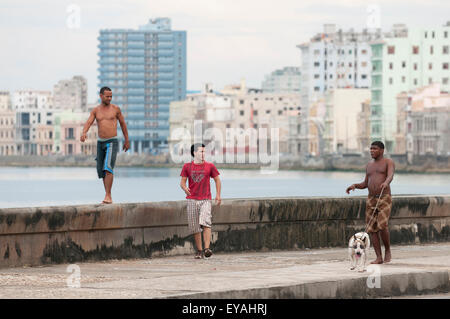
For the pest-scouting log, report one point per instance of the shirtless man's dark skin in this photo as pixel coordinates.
(379, 175)
(107, 115)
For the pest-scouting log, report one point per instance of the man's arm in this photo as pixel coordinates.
(183, 186)
(390, 174)
(358, 186)
(88, 124)
(218, 189)
(123, 126)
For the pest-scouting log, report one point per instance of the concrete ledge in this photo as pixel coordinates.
(356, 288)
(44, 235)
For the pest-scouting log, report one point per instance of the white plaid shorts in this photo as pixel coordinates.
(199, 214)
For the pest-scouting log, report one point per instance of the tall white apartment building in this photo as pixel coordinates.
(333, 59)
(405, 59)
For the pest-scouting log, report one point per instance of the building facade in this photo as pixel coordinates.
(334, 59)
(423, 125)
(7, 125)
(33, 109)
(405, 59)
(341, 120)
(71, 94)
(286, 80)
(226, 118)
(146, 70)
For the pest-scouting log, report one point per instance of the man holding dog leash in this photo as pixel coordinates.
(379, 175)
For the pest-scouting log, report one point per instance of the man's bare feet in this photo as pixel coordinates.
(379, 260)
(387, 256)
(107, 200)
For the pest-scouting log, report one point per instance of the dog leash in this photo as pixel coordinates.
(376, 206)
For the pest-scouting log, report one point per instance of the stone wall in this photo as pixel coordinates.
(69, 234)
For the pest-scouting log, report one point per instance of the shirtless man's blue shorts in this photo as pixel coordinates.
(106, 155)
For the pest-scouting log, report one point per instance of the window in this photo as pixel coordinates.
(364, 76)
(350, 64)
(70, 135)
(415, 66)
(364, 64)
(415, 81)
(391, 81)
(280, 112)
(391, 49)
(430, 80)
(255, 112)
(241, 113)
(349, 76)
(415, 49)
(404, 64)
(426, 34)
(391, 66)
(316, 52)
(316, 88)
(445, 81)
(445, 49)
(446, 34)
(241, 102)
(364, 51)
(445, 66)
(431, 49)
(430, 66)
(316, 76)
(403, 79)
(316, 64)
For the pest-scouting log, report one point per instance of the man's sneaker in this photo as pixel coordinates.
(207, 252)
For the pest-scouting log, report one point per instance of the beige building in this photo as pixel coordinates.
(341, 120)
(423, 125)
(71, 94)
(363, 127)
(232, 112)
(7, 130)
(67, 131)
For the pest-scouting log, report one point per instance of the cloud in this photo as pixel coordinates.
(227, 40)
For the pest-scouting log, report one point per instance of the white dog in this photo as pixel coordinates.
(358, 245)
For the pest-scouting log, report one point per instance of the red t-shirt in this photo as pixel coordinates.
(198, 176)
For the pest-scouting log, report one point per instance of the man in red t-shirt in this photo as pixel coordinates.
(199, 197)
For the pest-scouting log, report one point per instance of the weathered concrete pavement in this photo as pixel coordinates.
(314, 273)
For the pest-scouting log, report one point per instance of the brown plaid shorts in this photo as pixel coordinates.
(382, 213)
(199, 214)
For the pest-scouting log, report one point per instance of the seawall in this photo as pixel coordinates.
(68, 234)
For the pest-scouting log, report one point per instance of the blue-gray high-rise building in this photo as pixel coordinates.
(146, 70)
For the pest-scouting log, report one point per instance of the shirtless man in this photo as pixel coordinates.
(107, 115)
(379, 175)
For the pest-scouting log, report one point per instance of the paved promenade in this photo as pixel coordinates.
(311, 273)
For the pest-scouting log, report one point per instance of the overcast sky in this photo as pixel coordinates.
(42, 42)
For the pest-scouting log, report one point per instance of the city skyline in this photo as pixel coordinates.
(248, 40)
